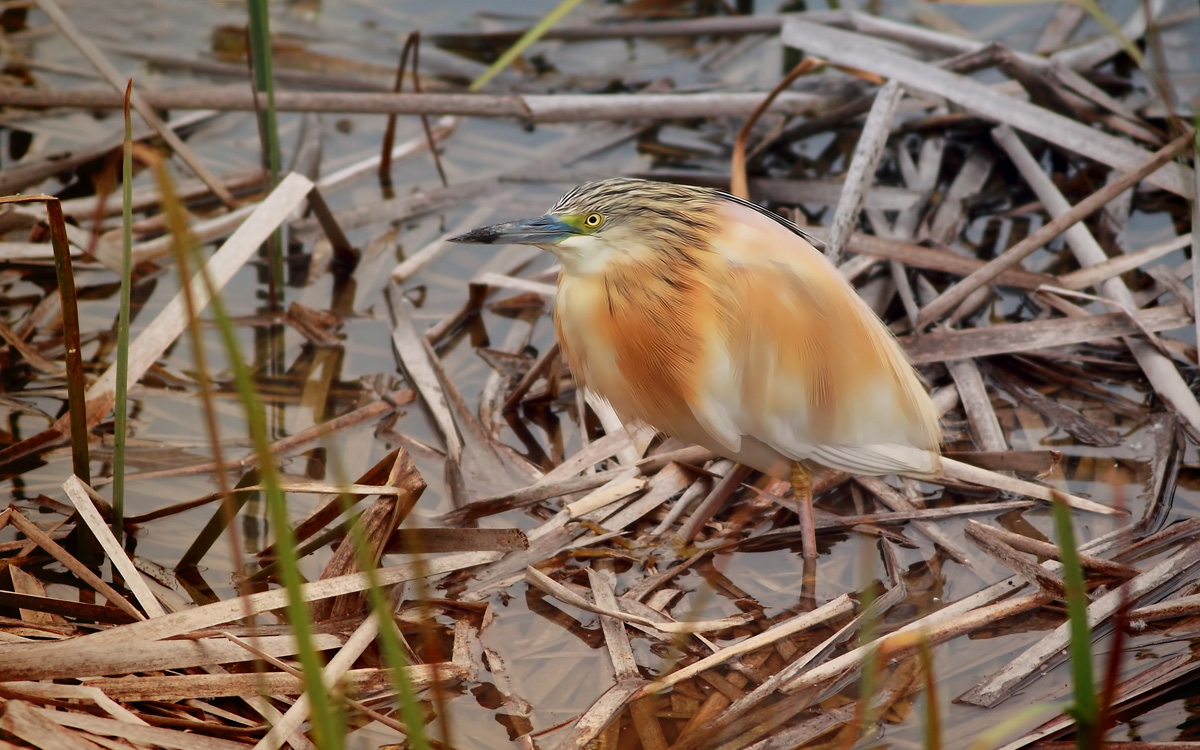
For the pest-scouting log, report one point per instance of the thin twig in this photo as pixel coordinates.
(737, 162)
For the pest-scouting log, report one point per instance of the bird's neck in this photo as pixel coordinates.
(646, 255)
(584, 257)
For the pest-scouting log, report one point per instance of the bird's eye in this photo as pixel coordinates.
(593, 221)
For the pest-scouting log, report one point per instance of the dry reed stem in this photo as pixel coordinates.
(537, 108)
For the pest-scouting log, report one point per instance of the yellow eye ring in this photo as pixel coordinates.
(593, 221)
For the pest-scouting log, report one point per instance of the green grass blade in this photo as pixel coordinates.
(259, 33)
(264, 82)
(328, 720)
(1112, 27)
(389, 639)
(871, 665)
(528, 38)
(121, 409)
(1017, 722)
(329, 724)
(1087, 705)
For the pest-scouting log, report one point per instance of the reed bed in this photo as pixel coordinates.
(352, 496)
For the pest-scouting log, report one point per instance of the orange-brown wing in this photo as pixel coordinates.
(804, 365)
(637, 341)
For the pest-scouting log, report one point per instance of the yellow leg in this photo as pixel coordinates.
(802, 490)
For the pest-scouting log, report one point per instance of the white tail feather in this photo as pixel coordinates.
(952, 469)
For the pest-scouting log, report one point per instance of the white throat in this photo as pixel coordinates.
(585, 255)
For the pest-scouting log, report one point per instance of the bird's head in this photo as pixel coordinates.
(612, 221)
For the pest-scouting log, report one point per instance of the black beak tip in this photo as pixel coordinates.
(481, 236)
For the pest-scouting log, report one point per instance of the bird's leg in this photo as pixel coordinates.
(808, 582)
(802, 491)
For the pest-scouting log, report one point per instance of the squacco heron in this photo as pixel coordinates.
(718, 322)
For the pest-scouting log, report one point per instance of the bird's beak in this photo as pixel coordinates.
(544, 230)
